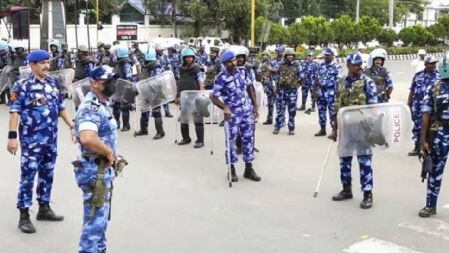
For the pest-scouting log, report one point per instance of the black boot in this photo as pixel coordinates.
(185, 135)
(367, 201)
(250, 173)
(143, 127)
(168, 114)
(322, 132)
(46, 213)
(234, 177)
(276, 131)
(199, 130)
(268, 122)
(346, 193)
(125, 118)
(427, 211)
(159, 129)
(25, 224)
(415, 151)
(303, 106)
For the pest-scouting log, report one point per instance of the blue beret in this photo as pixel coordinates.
(226, 56)
(280, 49)
(354, 59)
(38, 55)
(328, 51)
(103, 72)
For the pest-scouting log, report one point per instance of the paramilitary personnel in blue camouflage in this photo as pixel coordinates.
(381, 76)
(266, 79)
(151, 67)
(420, 82)
(287, 92)
(164, 62)
(328, 73)
(84, 63)
(96, 131)
(435, 134)
(123, 68)
(350, 90)
(37, 102)
(308, 73)
(235, 89)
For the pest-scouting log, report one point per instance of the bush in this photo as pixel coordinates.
(387, 37)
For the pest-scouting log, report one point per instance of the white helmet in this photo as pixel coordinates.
(241, 51)
(421, 51)
(377, 53)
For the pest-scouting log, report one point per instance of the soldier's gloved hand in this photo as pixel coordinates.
(12, 146)
(425, 147)
(227, 113)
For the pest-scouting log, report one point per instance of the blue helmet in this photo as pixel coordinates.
(187, 52)
(3, 45)
(227, 56)
(122, 52)
(150, 54)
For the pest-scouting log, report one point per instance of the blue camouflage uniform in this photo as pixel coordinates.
(436, 104)
(123, 68)
(232, 88)
(275, 63)
(376, 73)
(287, 97)
(94, 115)
(201, 58)
(38, 104)
(327, 74)
(308, 72)
(157, 69)
(366, 171)
(62, 61)
(421, 81)
(172, 64)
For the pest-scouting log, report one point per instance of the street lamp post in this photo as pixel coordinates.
(391, 11)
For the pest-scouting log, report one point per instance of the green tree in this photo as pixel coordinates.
(237, 18)
(387, 37)
(279, 34)
(368, 28)
(345, 30)
(298, 33)
(416, 35)
(315, 30)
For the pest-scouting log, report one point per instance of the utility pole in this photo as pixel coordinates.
(253, 17)
(97, 11)
(357, 12)
(87, 25)
(391, 11)
(76, 24)
(174, 19)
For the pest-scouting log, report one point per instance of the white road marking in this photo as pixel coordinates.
(432, 227)
(374, 245)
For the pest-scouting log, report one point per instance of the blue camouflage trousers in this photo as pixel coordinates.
(40, 159)
(93, 234)
(268, 88)
(366, 171)
(440, 150)
(417, 120)
(286, 98)
(305, 90)
(166, 109)
(325, 103)
(242, 126)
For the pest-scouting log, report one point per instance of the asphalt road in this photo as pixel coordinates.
(176, 199)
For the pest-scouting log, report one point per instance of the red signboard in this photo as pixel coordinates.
(126, 32)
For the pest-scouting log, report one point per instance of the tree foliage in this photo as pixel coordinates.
(416, 35)
(368, 28)
(345, 30)
(387, 37)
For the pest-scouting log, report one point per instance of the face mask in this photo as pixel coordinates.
(108, 88)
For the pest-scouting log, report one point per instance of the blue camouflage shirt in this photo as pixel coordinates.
(275, 63)
(442, 99)
(61, 60)
(172, 64)
(308, 71)
(328, 74)
(420, 82)
(38, 104)
(201, 58)
(96, 115)
(232, 88)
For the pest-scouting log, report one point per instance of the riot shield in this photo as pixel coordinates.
(80, 90)
(24, 71)
(4, 79)
(384, 126)
(64, 78)
(195, 106)
(156, 91)
(258, 87)
(125, 92)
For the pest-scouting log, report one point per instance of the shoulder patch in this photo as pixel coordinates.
(14, 96)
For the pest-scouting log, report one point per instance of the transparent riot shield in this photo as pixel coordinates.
(64, 78)
(195, 106)
(79, 91)
(24, 71)
(258, 87)
(125, 92)
(4, 79)
(361, 129)
(156, 91)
